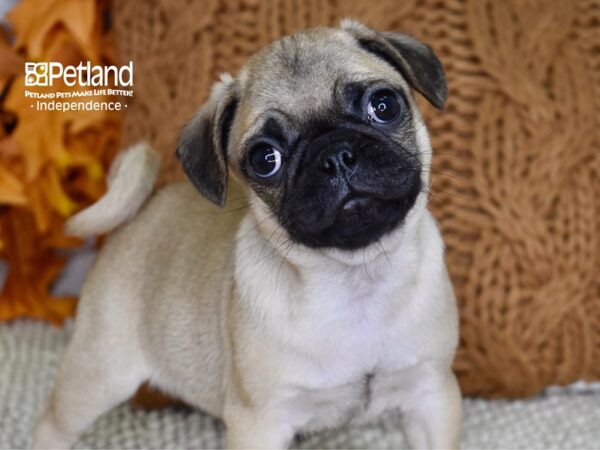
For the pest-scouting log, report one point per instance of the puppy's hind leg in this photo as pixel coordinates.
(94, 377)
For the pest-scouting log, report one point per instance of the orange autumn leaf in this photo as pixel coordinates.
(11, 63)
(28, 281)
(52, 163)
(11, 189)
(35, 22)
(55, 194)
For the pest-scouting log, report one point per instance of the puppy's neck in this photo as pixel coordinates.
(263, 235)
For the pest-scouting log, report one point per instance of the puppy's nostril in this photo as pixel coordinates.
(348, 158)
(329, 165)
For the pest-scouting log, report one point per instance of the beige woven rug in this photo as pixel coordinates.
(29, 351)
(516, 176)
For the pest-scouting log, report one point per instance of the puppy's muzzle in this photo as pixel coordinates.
(337, 160)
(352, 188)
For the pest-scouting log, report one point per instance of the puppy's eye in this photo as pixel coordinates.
(383, 106)
(265, 161)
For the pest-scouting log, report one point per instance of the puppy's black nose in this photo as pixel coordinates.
(336, 158)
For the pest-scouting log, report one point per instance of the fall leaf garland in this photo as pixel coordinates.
(51, 162)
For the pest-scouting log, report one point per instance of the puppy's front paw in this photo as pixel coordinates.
(249, 429)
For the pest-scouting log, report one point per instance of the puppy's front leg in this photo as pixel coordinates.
(432, 419)
(248, 428)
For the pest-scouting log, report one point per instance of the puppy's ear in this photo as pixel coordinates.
(203, 145)
(413, 59)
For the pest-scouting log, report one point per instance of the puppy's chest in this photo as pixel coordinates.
(314, 409)
(342, 337)
(346, 327)
(364, 398)
(345, 335)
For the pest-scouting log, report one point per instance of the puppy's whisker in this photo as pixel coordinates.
(283, 260)
(275, 248)
(435, 191)
(228, 211)
(235, 199)
(430, 130)
(385, 253)
(445, 153)
(365, 264)
(443, 173)
(267, 241)
(268, 218)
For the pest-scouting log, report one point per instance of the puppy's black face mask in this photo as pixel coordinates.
(346, 179)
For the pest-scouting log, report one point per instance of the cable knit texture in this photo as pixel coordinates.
(516, 173)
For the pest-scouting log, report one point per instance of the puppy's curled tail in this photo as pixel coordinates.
(130, 182)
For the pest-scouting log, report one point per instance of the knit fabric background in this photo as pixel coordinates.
(516, 173)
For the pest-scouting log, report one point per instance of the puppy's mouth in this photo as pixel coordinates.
(358, 221)
(359, 213)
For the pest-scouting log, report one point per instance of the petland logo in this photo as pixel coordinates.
(84, 74)
(78, 88)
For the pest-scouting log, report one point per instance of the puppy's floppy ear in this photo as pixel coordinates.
(203, 145)
(413, 59)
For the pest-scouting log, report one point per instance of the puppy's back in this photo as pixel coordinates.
(159, 284)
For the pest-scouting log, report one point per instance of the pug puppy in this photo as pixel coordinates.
(325, 302)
